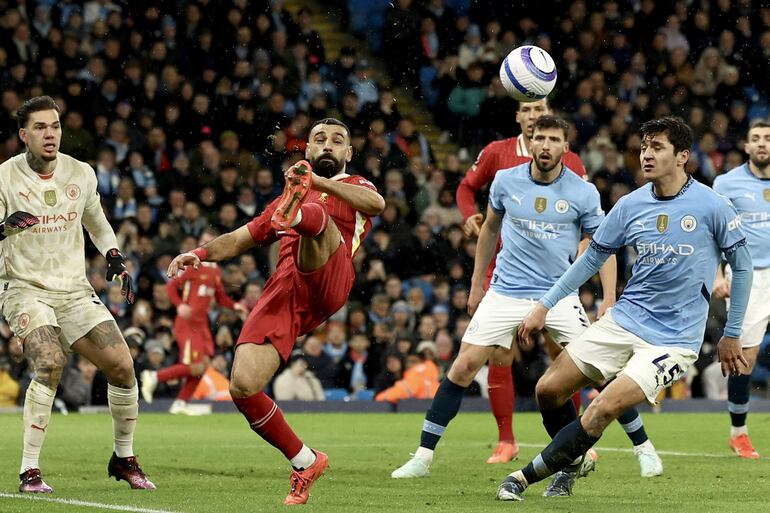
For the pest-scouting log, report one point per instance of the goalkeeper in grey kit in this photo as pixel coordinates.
(46, 198)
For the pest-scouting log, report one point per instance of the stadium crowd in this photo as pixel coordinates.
(189, 115)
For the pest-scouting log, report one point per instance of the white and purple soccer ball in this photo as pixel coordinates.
(528, 73)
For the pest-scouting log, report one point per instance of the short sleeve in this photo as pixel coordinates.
(728, 232)
(496, 195)
(592, 214)
(610, 236)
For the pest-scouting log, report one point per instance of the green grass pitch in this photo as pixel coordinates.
(216, 464)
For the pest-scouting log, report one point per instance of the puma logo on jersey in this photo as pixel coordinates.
(752, 196)
(640, 223)
(517, 199)
(24, 195)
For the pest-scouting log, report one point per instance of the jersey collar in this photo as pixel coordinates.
(669, 198)
(522, 147)
(546, 184)
(748, 172)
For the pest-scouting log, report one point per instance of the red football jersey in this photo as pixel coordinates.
(196, 287)
(352, 224)
(500, 155)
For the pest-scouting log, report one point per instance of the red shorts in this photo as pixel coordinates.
(194, 341)
(294, 303)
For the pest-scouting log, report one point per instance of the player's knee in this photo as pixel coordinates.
(549, 394)
(464, 369)
(49, 369)
(197, 369)
(242, 386)
(502, 357)
(120, 373)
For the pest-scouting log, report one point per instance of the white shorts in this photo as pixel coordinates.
(606, 350)
(26, 311)
(498, 317)
(758, 310)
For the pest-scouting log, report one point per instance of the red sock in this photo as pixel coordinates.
(501, 398)
(314, 220)
(266, 419)
(577, 401)
(186, 392)
(175, 371)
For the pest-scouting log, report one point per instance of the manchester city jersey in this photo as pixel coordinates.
(541, 229)
(751, 197)
(678, 241)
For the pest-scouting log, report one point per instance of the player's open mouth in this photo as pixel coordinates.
(648, 167)
(49, 147)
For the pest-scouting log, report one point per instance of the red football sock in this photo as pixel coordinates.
(501, 399)
(175, 371)
(577, 401)
(186, 392)
(266, 419)
(314, 220)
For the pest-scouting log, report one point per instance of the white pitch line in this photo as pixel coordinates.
(456, 444)
(600, 448)
(85, 504)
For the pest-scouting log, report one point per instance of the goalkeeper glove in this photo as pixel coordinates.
(17, 223)
(116, 267)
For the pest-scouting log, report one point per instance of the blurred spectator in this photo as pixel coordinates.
(297, 383)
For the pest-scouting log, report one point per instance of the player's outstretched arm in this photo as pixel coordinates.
(361, 198)
(485, 250)
(224, 247)
(608, 275)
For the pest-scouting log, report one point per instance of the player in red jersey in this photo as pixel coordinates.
(191, 330)
(320, 220)
(498, 155)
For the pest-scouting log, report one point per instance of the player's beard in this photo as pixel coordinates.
(550, 166)
(326, 165)
(761, 164)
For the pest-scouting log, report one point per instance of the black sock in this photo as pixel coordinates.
(554, 420)
(738, 399)
(632, 424)
(445, 406)
(568, 445)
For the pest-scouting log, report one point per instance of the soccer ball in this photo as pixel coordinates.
(528, 73)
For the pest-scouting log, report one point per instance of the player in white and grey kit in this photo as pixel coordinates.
(679, 228)
(748, 188)
(46, 199)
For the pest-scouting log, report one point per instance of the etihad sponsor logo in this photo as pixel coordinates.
(58, 218)
(52, 223)
(659, 253)
(644, 248)
(539, 229)
(661, 223)
(736, 223)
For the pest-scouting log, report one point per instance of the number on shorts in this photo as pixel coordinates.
(673, 372)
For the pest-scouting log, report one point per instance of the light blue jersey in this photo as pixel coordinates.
(751, 197)
(542, 226)
(679, 241)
